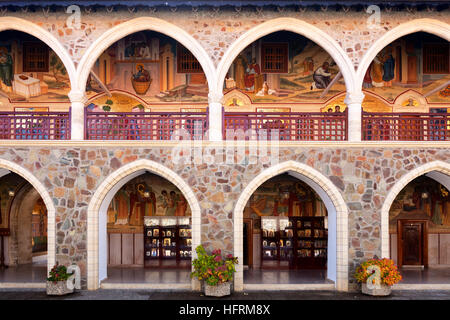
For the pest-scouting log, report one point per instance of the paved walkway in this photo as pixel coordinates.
(110, 294)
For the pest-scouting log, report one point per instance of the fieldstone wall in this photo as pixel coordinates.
(363, 174)
(217, 28)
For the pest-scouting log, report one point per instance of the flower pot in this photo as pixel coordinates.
(58, 288)
(220, 290)
(383, 290)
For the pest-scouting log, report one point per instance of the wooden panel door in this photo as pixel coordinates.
(412, 69)
(412, 242)
(248, 242)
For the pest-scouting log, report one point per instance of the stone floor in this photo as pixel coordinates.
(185, 296)
(37, 274)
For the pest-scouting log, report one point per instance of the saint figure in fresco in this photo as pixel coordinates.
(388, 70)
(377, 71)
(6, 69)
(141, 75)
(181, 206)
(321, 77)
(250, 74)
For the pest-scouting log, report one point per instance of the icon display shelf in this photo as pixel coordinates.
(293, 242)
(167, 242)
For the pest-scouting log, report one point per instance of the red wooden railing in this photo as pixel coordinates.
(36, 125)
(294, 126)
(146, 125)
(406, 126)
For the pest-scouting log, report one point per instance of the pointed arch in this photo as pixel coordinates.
(96, 259)
(293, 25)
(18, 24)
(432, 26)
(337, 210)
(140, 24)
(435, 166)
(51, 212)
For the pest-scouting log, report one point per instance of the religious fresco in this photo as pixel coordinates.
(117, 102)
(418, 62)
(144, 196)
(152, 67)
(283, 195)
(285, 67)
(422, 196)
(30, 71)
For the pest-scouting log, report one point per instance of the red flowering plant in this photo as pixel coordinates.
(389, 274)
(213, 268)
(58, 273)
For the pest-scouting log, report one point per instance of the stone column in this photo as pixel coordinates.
(78, 100)
(215, 116)
(353, 100)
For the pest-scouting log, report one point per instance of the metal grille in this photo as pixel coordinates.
(294, 126)
(406, 126)
(146, 125)
(24, 125)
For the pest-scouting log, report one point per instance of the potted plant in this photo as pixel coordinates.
(215, 271)
(57, 281)
(377, 276)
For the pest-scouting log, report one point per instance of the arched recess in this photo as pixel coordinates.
(437, 170)
(432, 26)
(337, 264)
(139, 24)
(51, 213)
(294, 25)
(96, 219)
(13, 23)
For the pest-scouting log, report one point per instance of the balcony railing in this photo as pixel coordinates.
(36, 125)
(146, 125)
(291, 126)
(406, 126)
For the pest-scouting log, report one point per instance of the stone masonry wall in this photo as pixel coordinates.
(216, 29)
(362, 174)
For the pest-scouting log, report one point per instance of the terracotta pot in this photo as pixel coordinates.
(58, 288)
(221, 290)
(383, 290)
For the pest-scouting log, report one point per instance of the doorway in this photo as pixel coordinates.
(412, 242)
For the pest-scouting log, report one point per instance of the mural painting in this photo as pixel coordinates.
(150, 66)
(423, 197)
(146, 195)
(285, 67)
(30, 71)
(418, 62)
(283, 196)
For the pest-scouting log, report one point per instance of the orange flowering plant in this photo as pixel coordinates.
(213, 268)
(389, 273)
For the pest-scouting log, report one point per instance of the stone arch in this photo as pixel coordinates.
(18, 24)
(51, 212)
(439, 167)
(338, 217)
(432, 26)
(294, 25)
(96, 263)
(139, 24)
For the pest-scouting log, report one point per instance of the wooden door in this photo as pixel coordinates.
(412, 242)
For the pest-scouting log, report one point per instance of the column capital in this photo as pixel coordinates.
(215, 97)
(78, 96)
(354, 98)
